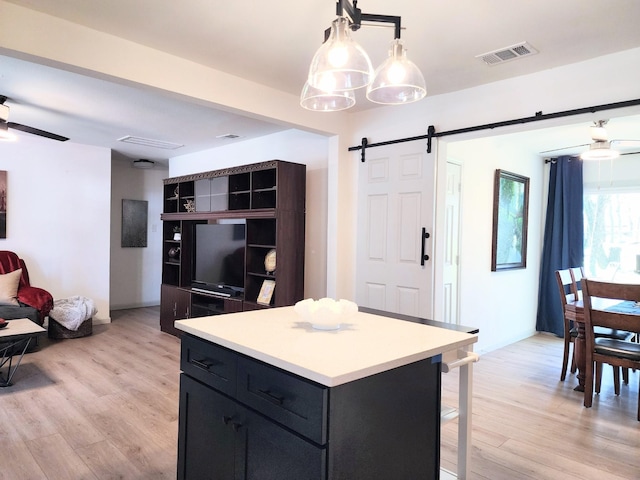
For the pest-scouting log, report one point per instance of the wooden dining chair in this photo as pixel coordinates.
(568, 294)
(603, 307)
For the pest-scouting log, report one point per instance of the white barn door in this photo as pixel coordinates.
(395, 203)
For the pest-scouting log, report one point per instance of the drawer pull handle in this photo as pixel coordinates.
(235, 425)
(205, 364)
(272, 397)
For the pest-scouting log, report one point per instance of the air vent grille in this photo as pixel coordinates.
(506, 54)
(148, 142)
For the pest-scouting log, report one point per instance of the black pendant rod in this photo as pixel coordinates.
(536, 118)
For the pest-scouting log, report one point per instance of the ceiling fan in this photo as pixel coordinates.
(601, 148)
(5, 124)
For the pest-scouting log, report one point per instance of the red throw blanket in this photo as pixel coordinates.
(35, 297)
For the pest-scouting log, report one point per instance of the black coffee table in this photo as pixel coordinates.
(15, 338)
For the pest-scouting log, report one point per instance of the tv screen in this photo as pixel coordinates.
(219, 257)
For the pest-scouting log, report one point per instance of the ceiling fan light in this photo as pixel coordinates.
(340, 63)
(143, 163)
(5, 134)
(398, 80)
(600, 151)
(322, 101)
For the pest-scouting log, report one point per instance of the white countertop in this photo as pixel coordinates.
(367, 344)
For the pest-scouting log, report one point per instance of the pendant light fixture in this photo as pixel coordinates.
(326, 101)
(340, 63)
(398, 80)
(341, 66)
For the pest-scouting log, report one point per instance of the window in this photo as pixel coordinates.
(612, 235)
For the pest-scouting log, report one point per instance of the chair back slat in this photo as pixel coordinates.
(577, 274)
(618, 321)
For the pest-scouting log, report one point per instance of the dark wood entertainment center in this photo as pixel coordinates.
(270, 198)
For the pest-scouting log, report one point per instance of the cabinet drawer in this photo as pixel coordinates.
(287, 399)
(209, 363)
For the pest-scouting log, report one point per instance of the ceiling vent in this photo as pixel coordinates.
(507, 54)
(148, 142)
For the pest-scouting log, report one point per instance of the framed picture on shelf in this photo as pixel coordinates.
(510, 211)
(266, 292)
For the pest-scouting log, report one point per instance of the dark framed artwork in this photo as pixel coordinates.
(510, 221)
(3, 204)
(134, 223)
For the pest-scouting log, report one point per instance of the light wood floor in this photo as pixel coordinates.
(527, 424)
(106, 407)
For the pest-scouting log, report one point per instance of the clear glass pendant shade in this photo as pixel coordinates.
(398, 80)
(320, 101)
(340, 63)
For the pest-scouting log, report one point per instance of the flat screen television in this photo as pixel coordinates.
(218, 259)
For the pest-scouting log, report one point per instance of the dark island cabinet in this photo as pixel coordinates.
(222, 440)
(241, 418)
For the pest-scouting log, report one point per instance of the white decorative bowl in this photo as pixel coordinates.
(326, 313)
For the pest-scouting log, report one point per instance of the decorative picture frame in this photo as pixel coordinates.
(134, 223)
(266, 292)
(510, 221)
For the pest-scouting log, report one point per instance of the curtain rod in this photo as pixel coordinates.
(431, 131)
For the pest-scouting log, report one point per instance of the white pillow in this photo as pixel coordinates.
(9, 287)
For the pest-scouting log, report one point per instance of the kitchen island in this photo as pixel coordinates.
(265, 396)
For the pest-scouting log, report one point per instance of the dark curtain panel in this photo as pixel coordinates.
(563, 239)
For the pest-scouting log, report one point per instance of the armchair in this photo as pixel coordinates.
(27, 295)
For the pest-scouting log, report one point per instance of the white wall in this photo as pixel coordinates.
(292, 146)
(136, 273)
(502, 304)
(58, 203)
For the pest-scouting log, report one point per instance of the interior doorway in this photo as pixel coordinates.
(451, 268)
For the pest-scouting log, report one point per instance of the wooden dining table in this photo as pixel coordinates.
(575, 311)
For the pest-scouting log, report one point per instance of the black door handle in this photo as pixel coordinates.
(423, 256)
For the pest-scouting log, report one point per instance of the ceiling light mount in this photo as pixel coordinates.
(356, 17)
(143, 163)
(341, 66)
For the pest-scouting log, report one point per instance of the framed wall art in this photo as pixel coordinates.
(134, 223)
(510, 221)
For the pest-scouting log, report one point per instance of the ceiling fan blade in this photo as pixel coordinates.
(627, 143)
(629, 153)
(35, 131)
(564, 148)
